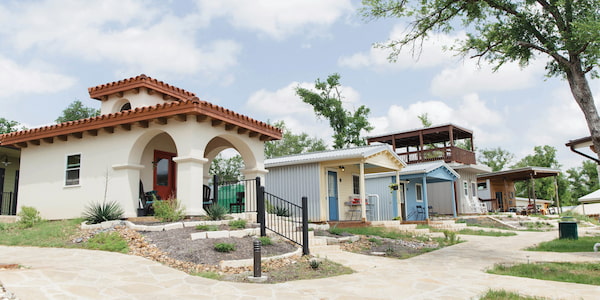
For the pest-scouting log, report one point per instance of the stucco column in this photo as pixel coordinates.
(124, 187)
(190, 178)
(250, 188)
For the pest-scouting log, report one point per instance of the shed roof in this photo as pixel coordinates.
(419, 168)
(591, 197)
(520, 174)
(332, 155)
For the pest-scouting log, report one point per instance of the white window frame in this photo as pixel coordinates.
(466, 188)
(474, 189)
(418, 187)
(67, 169)
(358, 184)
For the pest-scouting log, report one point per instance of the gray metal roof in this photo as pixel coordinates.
(419, 168)
(329, 155)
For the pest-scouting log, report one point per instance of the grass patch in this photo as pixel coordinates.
(237, 224)
(207, 227)
(42, 234)
(583, 244)
(377, 231)
(224, 247)
(579, 217)
(265, 241)
(107, 241)
(304, 269)
(585, 273)
(506, 295)
(209, 275)
(469, 231)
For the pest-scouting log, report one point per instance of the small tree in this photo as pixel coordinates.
(327, 103)
(227, 169)
(496, 158)
(76, 111)
(291, 143)
(7, 126)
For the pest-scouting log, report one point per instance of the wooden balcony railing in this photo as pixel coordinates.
(448, 154)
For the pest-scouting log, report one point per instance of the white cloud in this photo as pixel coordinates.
(430, 53)
(276, 18)
(19, 79)
(140, 36)
(469, 77)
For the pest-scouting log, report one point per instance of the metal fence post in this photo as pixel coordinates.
(260, 210)
(305, 250)
(215, 189)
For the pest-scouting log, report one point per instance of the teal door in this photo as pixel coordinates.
(332, 195)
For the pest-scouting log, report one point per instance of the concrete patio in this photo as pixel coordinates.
(454, 272)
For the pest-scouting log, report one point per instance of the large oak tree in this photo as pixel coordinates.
(565, 32)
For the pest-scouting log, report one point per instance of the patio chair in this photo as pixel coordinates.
(238, 204)
(206, 200)
(420, 212)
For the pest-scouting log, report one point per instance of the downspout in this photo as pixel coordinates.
(453, 186)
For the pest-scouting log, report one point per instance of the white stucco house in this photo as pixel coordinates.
(149, 132)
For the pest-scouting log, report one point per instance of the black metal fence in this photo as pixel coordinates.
(8, 203)
(237, 196)
(284, 218)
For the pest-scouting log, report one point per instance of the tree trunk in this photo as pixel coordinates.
(582, 93)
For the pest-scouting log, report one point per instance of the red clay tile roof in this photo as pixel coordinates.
(104, 90)
(202, 110)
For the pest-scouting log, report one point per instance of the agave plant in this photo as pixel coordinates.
(216, 212)
(105, 211)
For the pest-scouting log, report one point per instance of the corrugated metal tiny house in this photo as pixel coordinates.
(333, 181)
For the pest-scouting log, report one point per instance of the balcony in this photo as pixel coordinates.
(448, 154)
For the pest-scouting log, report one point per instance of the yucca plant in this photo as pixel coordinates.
(105, 211)
(216, 212)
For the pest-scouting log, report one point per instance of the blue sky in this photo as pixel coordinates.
(249, 56)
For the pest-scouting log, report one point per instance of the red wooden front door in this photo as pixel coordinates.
(164, 174)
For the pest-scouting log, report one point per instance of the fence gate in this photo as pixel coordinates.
(284, 218)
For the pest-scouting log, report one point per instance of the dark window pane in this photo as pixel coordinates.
(162, 172)
(73, 161)
(72, 177)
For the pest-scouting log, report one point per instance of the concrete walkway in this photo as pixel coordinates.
(451, 273)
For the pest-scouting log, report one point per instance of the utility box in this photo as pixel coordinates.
(567, 230)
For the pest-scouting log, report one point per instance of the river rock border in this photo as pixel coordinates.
(197, 235)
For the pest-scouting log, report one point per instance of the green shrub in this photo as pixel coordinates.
(314, 263)
(207, 227)
(100, 212)
(237, 224)
(29, 217)
(169, 211)
(265, 240)
(224, 247)
(450, 237)
(278, 211)
(216, 212)
(108, 242)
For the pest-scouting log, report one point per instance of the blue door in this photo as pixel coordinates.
(332, 195)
